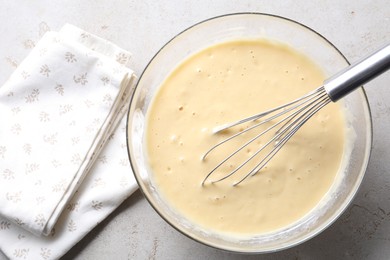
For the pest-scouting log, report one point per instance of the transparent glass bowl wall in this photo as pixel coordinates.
(238, 26)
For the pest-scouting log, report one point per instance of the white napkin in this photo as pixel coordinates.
(57, 110)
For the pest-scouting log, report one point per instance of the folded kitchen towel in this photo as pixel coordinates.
(57, 111)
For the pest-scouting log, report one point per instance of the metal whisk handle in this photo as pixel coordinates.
(357, 74)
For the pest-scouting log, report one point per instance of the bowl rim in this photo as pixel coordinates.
(341, 209)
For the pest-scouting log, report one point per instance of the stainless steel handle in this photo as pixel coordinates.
(358, 73)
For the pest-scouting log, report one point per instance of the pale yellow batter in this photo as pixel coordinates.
(224, 83)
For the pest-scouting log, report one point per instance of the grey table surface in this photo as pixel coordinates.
(134, 230)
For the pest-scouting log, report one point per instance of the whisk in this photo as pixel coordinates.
(293, 115)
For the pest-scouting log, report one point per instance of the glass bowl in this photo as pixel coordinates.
(239, 26)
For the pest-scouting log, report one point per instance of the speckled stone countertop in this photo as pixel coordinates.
(134, 230)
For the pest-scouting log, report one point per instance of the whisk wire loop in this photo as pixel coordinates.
(297, 125)
(305, 104)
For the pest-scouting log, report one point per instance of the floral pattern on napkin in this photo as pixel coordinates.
(57, 111)
(109, 182)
